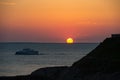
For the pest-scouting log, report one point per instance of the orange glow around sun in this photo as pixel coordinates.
(69, 41)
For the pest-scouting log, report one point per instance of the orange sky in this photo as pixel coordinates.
(56, 20)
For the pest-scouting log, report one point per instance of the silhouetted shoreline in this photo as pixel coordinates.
(102, 63)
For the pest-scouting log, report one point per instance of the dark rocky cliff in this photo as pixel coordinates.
(105, 57)
(102, 63)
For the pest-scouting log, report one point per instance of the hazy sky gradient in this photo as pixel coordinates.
(56, 20)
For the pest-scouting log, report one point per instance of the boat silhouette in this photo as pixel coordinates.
(27, 51)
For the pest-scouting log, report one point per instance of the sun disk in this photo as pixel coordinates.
(69, 41)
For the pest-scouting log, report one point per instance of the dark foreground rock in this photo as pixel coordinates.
(103, 63)
(26, 77)
(49, 73)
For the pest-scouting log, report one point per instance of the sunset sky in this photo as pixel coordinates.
(56, 20)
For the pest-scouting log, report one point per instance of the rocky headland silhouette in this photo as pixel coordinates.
(102, 63)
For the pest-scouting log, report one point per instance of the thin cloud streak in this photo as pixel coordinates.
(8, 3)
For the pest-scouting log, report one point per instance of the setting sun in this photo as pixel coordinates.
(69, 40)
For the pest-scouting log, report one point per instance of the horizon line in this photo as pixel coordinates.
(50, 42)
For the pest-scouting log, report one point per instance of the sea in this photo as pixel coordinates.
(51, 54)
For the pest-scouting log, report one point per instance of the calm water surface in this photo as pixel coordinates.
(51, 55)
